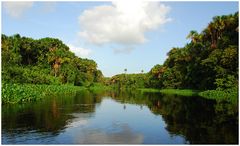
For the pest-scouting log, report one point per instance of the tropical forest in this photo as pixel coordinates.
(49, 93)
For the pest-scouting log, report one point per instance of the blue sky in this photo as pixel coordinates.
(116, 35)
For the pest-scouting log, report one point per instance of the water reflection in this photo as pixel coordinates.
(199, 120)
(124, 134)
(120, 117)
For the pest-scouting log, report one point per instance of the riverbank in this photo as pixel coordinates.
(98, 87)
(183, 92)
(20, 93)
(230, 95)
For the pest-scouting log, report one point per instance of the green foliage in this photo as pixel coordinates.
(229, 95)
(226, 83)
(19, 93)
(34, 75)
(209, 61)
(132, 81)
(99, 87)
(44, 61)
(154, 77)
(183, 92)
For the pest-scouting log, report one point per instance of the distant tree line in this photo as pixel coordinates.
(131, 81)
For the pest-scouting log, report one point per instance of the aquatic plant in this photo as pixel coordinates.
(19, 93)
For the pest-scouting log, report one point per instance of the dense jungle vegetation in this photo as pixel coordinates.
(209, 63)
(45, 61)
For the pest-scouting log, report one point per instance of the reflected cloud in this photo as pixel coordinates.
(80, 119)
(124, 135)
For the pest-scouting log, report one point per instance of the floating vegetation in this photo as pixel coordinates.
(19, 93)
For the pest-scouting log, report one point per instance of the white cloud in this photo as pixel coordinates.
(123, 22)
(80, 52)
(16, 9)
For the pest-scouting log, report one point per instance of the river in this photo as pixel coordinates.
(120, 118)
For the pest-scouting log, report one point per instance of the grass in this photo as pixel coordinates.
(183, 92)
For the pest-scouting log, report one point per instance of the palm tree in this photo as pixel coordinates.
(212, 31)
(193, 36)
(220, 25)
(125, 70)
(215, 29)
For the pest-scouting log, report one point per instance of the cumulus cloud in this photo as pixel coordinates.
(16, 9)
(123, 22)
(80, 52)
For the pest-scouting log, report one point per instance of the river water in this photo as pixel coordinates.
(120, 118)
